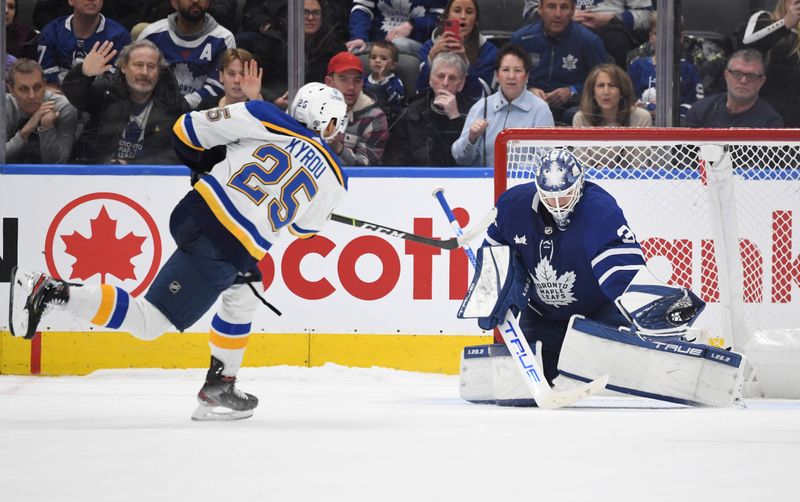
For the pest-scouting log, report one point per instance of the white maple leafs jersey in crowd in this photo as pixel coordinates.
(577, 270)
(276, 175)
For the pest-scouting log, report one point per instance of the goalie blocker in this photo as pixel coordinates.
(664, 368)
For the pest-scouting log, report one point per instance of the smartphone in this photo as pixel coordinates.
(453, 26)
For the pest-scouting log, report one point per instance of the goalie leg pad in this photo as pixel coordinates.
(664, 368)
(489, 376)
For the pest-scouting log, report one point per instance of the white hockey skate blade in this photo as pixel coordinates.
(206, 412)
(21, 286)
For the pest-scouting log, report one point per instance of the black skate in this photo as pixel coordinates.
(219, 399)
(32, 294)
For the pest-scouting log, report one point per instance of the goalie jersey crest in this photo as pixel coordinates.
(575, 270)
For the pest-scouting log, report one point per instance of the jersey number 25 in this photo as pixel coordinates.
(274, 167)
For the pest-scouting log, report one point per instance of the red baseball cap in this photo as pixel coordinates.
(343, 62)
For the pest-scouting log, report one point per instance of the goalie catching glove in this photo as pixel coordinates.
(656, 308)
(501, 282)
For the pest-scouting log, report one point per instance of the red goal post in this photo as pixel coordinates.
(715, 210)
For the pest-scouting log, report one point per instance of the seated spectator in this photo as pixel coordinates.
(740, 106)
(40, 124)
(132, 110)
(191, 41)
(563, 52)
(240, 77)
(511, 106)
(708, 56)
(775, 35)
(621, 24)
(433, 121)
(608, 101)
(642, 71)
(382, 84)
(20, 39)
(363, 141)
(470, 44)
(64, 41)
(406, 24)
(265, 35)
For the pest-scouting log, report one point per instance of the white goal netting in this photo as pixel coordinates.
(714, 210)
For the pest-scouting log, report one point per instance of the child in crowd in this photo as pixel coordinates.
(382, 84)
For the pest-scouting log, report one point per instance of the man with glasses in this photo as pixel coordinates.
(740, 106)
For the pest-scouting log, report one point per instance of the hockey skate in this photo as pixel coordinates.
(219, 399)
(33, 294)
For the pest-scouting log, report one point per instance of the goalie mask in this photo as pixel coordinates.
(316, 105)
(559, 181)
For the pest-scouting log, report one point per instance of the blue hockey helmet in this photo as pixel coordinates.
(559, 181)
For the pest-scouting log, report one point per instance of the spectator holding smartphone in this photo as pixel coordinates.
(458, 33)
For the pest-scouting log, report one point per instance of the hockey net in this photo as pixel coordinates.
(721, 225)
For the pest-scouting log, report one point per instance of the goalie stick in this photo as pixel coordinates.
(524, 359)
(462, 240)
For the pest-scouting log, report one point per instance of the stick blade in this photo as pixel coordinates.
(560, 399)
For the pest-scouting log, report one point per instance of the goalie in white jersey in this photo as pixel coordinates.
(268, 174)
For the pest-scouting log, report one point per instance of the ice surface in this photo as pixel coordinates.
(348, 434)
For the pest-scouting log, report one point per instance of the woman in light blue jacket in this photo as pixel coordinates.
(513, 105)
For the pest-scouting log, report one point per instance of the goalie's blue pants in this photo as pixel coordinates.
(551, 333)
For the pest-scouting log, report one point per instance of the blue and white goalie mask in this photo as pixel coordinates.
(559, 181)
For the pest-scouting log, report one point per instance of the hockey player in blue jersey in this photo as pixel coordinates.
(561, 256)
(277, 176)
(575, 242)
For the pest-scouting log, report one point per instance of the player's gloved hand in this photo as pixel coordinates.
(501, 282)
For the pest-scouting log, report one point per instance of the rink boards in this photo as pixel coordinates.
(347, 296)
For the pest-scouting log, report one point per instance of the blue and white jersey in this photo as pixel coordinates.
(373, 19)
(643, 75)
(194, 58)
(576, 270)
(60, 49)
(277, 175)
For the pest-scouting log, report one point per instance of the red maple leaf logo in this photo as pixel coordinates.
(103, 253)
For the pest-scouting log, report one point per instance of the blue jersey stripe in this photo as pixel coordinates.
(234, 213)
(227, 328)
(120, 309)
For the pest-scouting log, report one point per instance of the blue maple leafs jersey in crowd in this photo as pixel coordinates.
(373, 19)
(195, 58)
(577, 270)
(60, 49)
(277, 175)
(643, 75)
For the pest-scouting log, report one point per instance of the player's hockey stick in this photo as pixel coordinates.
(524, 358)
(455, 243)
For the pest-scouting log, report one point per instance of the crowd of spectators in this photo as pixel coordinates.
(90, 81)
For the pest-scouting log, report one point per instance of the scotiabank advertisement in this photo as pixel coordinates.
(115, 230)
(97, 225)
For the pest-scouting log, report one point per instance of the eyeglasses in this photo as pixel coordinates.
(313, 14)
(750, 77)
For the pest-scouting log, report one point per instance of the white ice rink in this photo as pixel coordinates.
(345, 434)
